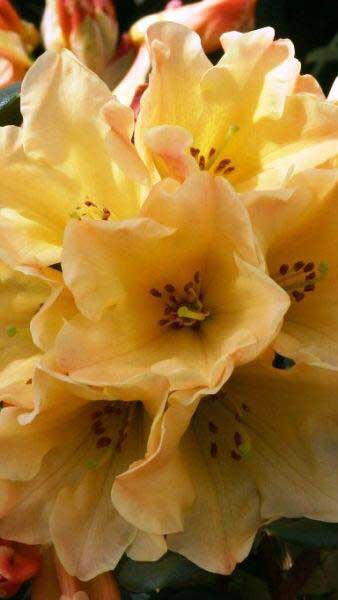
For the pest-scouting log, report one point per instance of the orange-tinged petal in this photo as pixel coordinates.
(263, 448)
(21, 297)
(251, 118)
(147, 547)
(298, 234)
(90, 536)
(76, 136)
(134, 281)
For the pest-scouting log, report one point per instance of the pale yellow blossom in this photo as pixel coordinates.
(251, 118)
(71, 157)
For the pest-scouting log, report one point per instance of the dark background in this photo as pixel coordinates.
(308, 23)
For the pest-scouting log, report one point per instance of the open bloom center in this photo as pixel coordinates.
(91, 210)
(300, 278)
(215, 160)
(182, 308)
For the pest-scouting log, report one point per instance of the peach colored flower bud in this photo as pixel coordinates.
(17, 39)
(209, 18)
(18, 562)
(86, 27)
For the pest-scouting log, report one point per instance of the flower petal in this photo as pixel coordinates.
(263, 448)
(36, 202)
(173, 96)
(300, 232)
(114, 287)
(77, 135)
(89, 536)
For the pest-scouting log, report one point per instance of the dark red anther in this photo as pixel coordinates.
(235, 455)
(103, 442)
(311, 275)
(197, 277)
(310, 287)
(201, 162)
(213, 450)
(298, 296)
(96, 414)
(309, 267)
(298, 265)
(238, 438)
(212, 427)
(156, 293)
(283, 269)
(169, 288)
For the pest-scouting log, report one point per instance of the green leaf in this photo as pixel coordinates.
(306, 532)
(172, 570)
(319, 57)
(10, 105)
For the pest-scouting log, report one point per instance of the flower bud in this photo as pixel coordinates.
(17, 39)
(18, 562)
(209, 18)
(86, 27)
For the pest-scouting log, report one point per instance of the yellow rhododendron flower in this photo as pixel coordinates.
(264, 447)
(251, 118)
(297, 231)
(21, 297)
(71, 157)
(177, 291)
(59, 464)
(162, 294)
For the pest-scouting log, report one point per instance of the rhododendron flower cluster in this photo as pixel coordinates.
(149, 277)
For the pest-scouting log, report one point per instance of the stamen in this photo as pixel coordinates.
(298, 265)
(298, 296)
(238, 438)
(283, 269)
(194, 152)
(103, 442)
(309, 267)
(201, 163)
(223, 163)
(213, 450)
(301, 278)
(182, 310)
(169, 288)
(185, 313)
(156, 293)
(212, 427)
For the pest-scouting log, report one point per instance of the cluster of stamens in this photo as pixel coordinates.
(223, 167)
(300, 278)
(91, 210)
(183, 309)
(241, 442)
(100, 424)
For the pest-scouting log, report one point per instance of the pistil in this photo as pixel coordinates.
(182, 309)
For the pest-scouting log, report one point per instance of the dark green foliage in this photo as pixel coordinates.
(10, 105)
